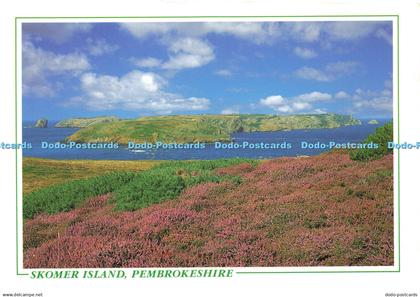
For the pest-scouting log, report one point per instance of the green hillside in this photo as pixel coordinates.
(202, 128)
(84, 122)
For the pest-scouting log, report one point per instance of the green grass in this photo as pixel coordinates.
(41, 173)
(131, 190)
(202, 128)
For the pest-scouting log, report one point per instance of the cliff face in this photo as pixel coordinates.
(41, 123)
(84, 122)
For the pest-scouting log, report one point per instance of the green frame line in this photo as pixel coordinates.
(399, 140)
(16, 160)
(230, 17)
(209, 16)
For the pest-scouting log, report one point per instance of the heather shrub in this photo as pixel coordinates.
(67, 196)
(267, 220)
(382, 136)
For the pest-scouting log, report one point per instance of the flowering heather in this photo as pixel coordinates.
(315, 211)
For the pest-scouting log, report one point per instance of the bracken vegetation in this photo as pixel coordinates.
(314, 211)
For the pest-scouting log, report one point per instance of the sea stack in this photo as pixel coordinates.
(41, 123)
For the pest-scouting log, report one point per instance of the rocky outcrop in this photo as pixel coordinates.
(41, 123)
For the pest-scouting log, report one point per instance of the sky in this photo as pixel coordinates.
(137, 69)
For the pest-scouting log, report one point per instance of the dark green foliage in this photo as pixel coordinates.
(131, 190)
(382, 136)
(67, 196)
(167, 180)
(150, 187)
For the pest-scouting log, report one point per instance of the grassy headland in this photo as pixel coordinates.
(40, 173)
(85, 122)
(202, 128)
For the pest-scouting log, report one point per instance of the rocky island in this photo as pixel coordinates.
(202, 128)
(41, 123)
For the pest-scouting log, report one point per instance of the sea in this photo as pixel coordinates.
(352, 134)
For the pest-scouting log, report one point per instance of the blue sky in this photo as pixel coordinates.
(135, 69)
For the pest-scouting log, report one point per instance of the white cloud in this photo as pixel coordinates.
(378, 101)
(275, 100)
(385, 35)
(100, 47)
(260, 32)
(57, 32)
(341, 68)
(135, 90)
(147, 62)
(312, 74)
(230, 110)
(333, 31)
(304, 53)
(303, 31)
(297, 104)
(188, 53)
(341, 95)
(237, 90)
(284, 109)
(362, 101)
(223, 72)
(368, 101)
(314, 97)
(388, 84)
(142, 29)
(38, 65)
(330, 72)
(183, 53)
(319, 111)
(348, 30)
(252, 31)
(255, 32)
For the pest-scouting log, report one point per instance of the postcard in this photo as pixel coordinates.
(207, 148)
